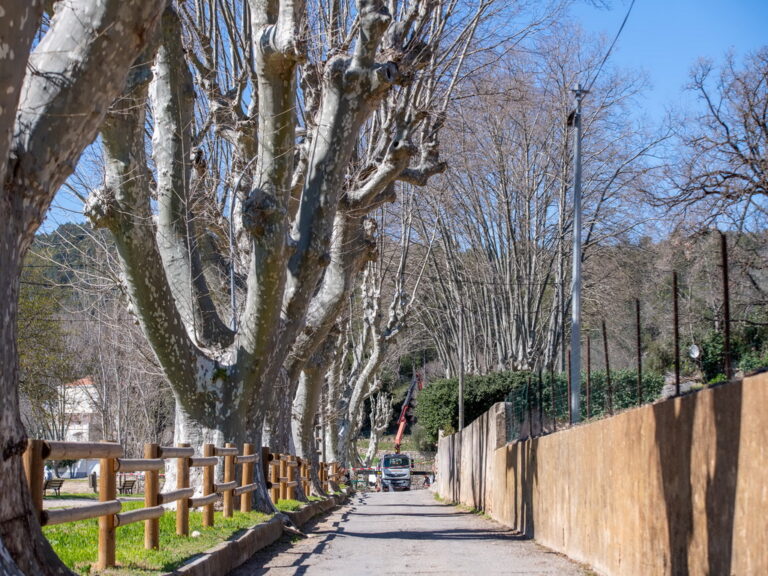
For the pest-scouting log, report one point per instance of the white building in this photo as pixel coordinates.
(82, 417)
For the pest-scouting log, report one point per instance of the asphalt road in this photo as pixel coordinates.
(406, 533)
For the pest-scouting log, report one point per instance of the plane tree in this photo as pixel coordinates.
(59, 77)
(503, 211)
(723, 143)
(273, 125)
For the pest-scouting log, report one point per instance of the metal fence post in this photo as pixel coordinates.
(589, 377)
(676, 320)
(553, 403)
(726, 308)
(529, 406)
(541, 402)
(609, 386)
(639, 354)
(570, 413)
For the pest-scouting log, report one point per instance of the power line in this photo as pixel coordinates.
(610, 48)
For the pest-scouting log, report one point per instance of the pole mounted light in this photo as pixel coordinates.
(575, 399)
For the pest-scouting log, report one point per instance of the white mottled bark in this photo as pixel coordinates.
(291, 183)
(53, 100)
(381, 414)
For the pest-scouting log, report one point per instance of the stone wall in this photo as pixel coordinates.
(677, 487)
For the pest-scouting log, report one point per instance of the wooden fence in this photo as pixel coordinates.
(285, 473)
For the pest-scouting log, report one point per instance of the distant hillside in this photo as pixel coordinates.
(72, 249)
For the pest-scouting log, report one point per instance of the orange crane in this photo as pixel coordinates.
(417, 381)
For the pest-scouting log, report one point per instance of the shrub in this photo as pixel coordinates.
(421, 440)
(752, 360)
(712, 354)
(438, 403)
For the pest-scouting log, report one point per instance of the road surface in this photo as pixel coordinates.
(406, 533)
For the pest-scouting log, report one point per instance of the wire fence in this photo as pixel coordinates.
(541, 406)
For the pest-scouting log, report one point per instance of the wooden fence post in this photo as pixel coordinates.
(283, 478)
(274, 478)
(208, 484)
(151, 490)
(182, 506)
(107, 492)
(302, 481)
(291, 491)
(302, 476)
(33, 466)
(229, 476)
(299, 479)
(247, 478)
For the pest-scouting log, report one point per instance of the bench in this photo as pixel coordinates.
(54, 484)
(126, 486)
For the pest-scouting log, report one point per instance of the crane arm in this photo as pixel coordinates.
(403, 413)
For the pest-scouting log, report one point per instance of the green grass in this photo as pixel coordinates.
(71, 496)
(289, 505)
(76, 542)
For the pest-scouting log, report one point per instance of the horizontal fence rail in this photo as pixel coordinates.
(285, 474)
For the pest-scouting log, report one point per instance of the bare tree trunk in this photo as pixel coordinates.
(23, 549)
(74, 73)
(381, 414)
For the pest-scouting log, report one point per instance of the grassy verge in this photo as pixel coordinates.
(72, 496)
(289, 505)
(76, 542)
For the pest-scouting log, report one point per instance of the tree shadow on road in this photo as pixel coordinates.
(288, 545)
(451, 534)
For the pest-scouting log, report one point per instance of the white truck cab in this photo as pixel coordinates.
(395, 472)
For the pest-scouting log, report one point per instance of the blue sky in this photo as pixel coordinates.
(665, 38)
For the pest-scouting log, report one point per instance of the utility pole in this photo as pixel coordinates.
(575, 399)
(461, 368)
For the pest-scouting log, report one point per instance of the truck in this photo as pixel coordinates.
(395, 472)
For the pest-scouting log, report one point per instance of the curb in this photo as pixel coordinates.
(301, 517)
(228, 555)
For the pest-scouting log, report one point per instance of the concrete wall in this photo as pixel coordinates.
(678, 487)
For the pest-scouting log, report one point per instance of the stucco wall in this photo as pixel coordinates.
(678, 487)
